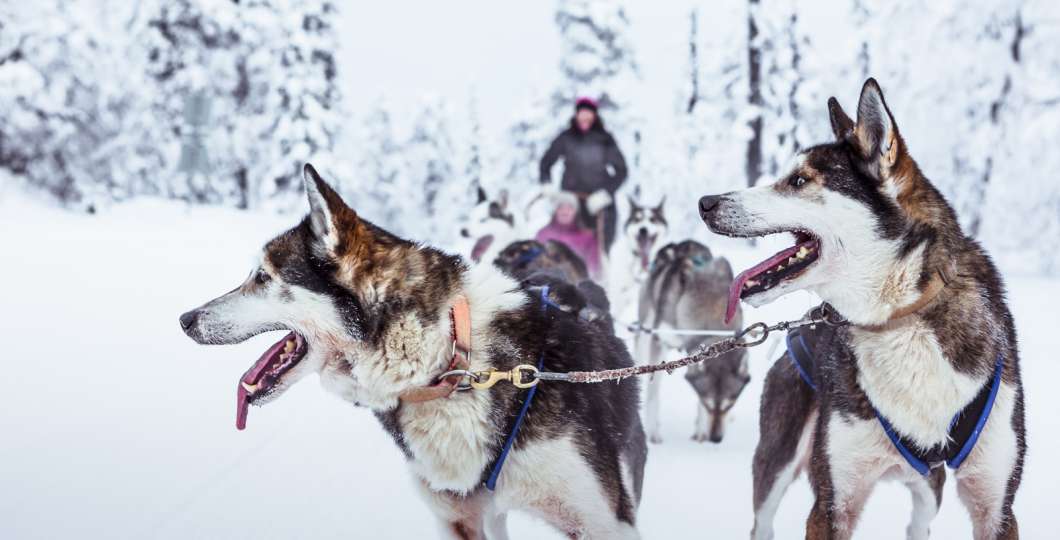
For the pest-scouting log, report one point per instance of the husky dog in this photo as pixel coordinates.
(645, 227)
(522, 258)
(380, 319)
(492, 224)
(686, 290)
(929, 332)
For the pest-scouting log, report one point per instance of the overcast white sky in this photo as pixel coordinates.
(501, 50)
(404, 49)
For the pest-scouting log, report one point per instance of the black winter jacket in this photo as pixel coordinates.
(586, 157)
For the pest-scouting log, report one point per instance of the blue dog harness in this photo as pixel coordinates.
(528, 256)
(965, 427)
(491, 482)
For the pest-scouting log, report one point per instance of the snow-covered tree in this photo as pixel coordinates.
(69, 116)
(303, 112)
(597, 60)
(378, 169)
(254, 83)
(429, 153)
(528, 138)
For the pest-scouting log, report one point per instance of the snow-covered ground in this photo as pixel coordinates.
(115, 425)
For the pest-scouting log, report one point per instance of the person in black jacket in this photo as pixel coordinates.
(593, 168)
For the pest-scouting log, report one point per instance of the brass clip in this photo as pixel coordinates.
(518, 376)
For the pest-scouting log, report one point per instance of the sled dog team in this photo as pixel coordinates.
(925, 376)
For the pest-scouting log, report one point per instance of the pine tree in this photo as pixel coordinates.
(68, 107)
(429, 152)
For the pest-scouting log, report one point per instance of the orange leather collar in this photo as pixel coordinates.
(460, 332)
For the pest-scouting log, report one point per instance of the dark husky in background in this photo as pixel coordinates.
(371, 312)
(686, 290)
(929, 330)
(522, 258)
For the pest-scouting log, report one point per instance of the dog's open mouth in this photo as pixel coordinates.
(785, 265)
(480, 247)
(261, 379)
(643, 250)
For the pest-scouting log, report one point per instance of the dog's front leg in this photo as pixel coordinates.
(497, 526)
(649, 350)
(988, 479)
(460, 517)
(842, 474)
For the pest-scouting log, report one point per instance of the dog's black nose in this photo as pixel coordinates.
(708, 203)
(465, 233)
(715, 438)
(188, 319)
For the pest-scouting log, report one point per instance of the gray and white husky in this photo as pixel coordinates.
(646, 229)
(929, 332)
(686, 290)
(371, 314)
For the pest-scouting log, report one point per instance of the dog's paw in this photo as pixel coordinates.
(655, 438)
(699, 437)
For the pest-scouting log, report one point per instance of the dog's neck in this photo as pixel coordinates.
(451, 440)
(884, 285)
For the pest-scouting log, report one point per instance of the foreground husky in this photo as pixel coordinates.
(929, 330)
(381, 319)
(686, 290)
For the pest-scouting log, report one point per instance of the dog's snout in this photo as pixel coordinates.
(708, 203)
(188, 320)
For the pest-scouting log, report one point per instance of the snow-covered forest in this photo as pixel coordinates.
(218, 102)
(148, 147)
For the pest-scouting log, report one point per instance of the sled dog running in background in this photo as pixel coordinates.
(686, 290)
(379, 318)
(929, 335)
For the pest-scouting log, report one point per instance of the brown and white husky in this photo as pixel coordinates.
(929, 334)
(375, 316)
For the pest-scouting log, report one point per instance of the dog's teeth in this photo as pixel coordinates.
(250, 388)
(749, 283)
(803, 252)
(289, 346)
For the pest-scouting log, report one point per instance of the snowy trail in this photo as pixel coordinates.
(115, 425)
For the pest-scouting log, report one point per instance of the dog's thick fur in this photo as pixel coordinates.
(686, 290)
(374, 311)
(884, 232)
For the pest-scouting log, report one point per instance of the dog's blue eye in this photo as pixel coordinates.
(796, 181)
(261, 277)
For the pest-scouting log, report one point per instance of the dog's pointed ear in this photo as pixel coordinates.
(502, 198)
(662, 204)
(842, 125)
(328, 214)
(632, 202)
(481, 194)
(875, 131)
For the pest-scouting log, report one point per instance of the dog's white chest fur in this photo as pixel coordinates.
(910, 382)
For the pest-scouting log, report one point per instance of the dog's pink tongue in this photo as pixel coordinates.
(734, 294)
(253, 376)
(737, 284)
(242, 406)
